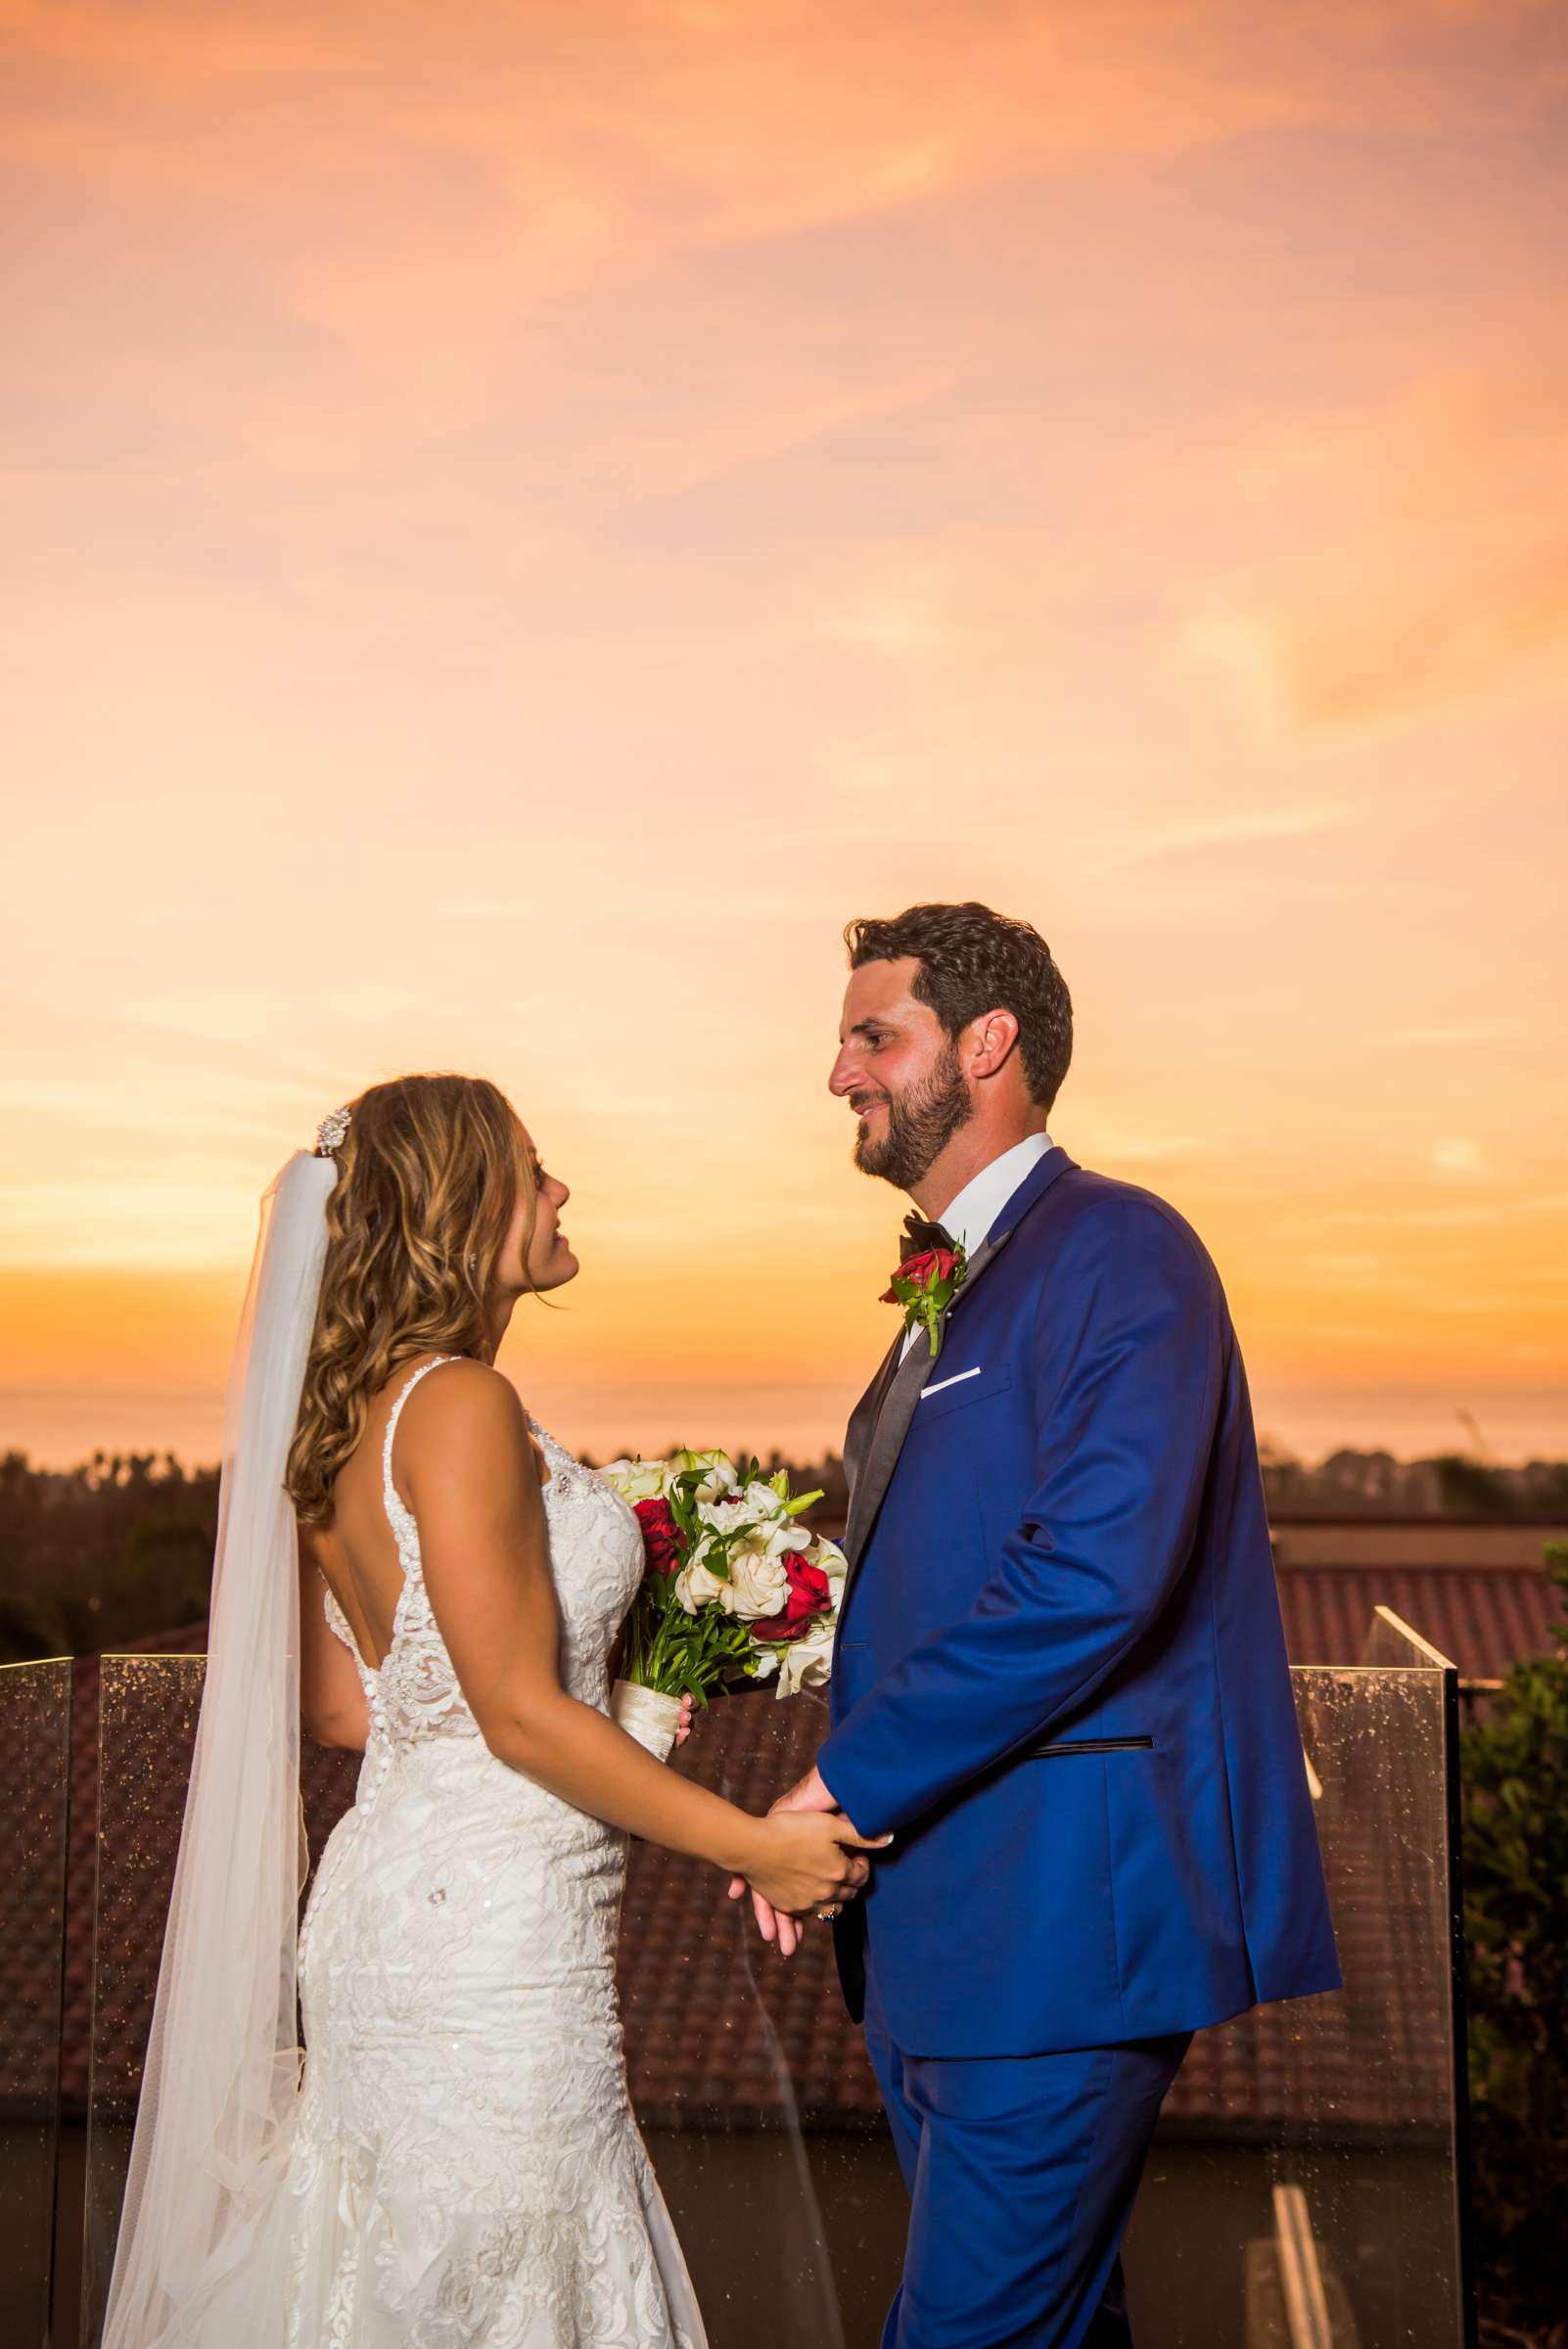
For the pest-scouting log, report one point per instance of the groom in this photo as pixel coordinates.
(1060, 1678)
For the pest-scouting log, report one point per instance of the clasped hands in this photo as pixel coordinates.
(784, 1925)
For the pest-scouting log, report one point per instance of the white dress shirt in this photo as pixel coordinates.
(970, 1216)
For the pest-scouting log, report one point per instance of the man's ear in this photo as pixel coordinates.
(994, 1034)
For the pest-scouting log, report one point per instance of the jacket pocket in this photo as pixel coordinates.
(1086, 1745)
(955, 1392)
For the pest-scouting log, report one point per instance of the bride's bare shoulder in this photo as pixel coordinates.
(466, 1413)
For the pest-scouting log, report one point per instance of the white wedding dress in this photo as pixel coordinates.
(466, 2172)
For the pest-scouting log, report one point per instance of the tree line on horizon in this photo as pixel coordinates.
(119, 1549)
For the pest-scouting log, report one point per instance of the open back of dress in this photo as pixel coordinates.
(466, 2169)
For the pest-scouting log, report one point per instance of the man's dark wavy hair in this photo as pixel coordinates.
(973, 961)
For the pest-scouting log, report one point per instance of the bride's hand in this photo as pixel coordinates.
(684, 1725)
(809, 1859)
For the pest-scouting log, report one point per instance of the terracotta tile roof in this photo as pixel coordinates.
(704, 2048)
(1486, 1618)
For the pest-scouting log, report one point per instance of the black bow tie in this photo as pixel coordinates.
(919, 1235)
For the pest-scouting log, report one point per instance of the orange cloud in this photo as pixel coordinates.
(1446, 569)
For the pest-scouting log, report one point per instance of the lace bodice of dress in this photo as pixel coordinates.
(596, 1559)
(466, 2172)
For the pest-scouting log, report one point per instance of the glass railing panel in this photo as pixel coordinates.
(148, 1707)
(34, 1824)
(1305, 2187)
(750, 2082)
(1392, 1643)
(1306, 2170)
(148, 1714)
(728, 2049)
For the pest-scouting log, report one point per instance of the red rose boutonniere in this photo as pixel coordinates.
(925, 1285)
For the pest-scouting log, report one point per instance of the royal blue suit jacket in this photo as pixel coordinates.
(1060, 1675)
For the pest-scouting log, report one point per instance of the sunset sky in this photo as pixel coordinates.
(519, 520)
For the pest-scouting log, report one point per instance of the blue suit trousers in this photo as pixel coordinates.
(1021, 2170)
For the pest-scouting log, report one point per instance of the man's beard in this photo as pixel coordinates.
(921, 1122)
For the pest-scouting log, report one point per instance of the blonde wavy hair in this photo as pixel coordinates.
(430, 1172)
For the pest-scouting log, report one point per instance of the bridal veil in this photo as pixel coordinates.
(202, 2232)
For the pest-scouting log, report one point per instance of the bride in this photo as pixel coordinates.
(406, 1557)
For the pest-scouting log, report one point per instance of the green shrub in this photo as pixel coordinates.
(1515, 1778)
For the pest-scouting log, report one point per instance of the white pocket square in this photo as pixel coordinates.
(956, 1380)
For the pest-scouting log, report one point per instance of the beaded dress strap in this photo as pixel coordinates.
(396, 1514)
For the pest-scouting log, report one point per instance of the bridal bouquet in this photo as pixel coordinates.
(735, 1587)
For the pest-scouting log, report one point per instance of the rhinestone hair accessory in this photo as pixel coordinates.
(329, 1134)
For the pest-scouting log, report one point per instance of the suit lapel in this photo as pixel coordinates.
(884, 1416)
(864, 1418)
(888, 1430)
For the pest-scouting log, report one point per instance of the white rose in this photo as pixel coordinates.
(696, 1588)
(807, 1663)
(763, 1502)
(756, 1584)
(639, 1480)
(759, 1584)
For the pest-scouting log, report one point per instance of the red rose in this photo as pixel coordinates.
(932, 1263)
(809, 1596)
(661, 1540)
